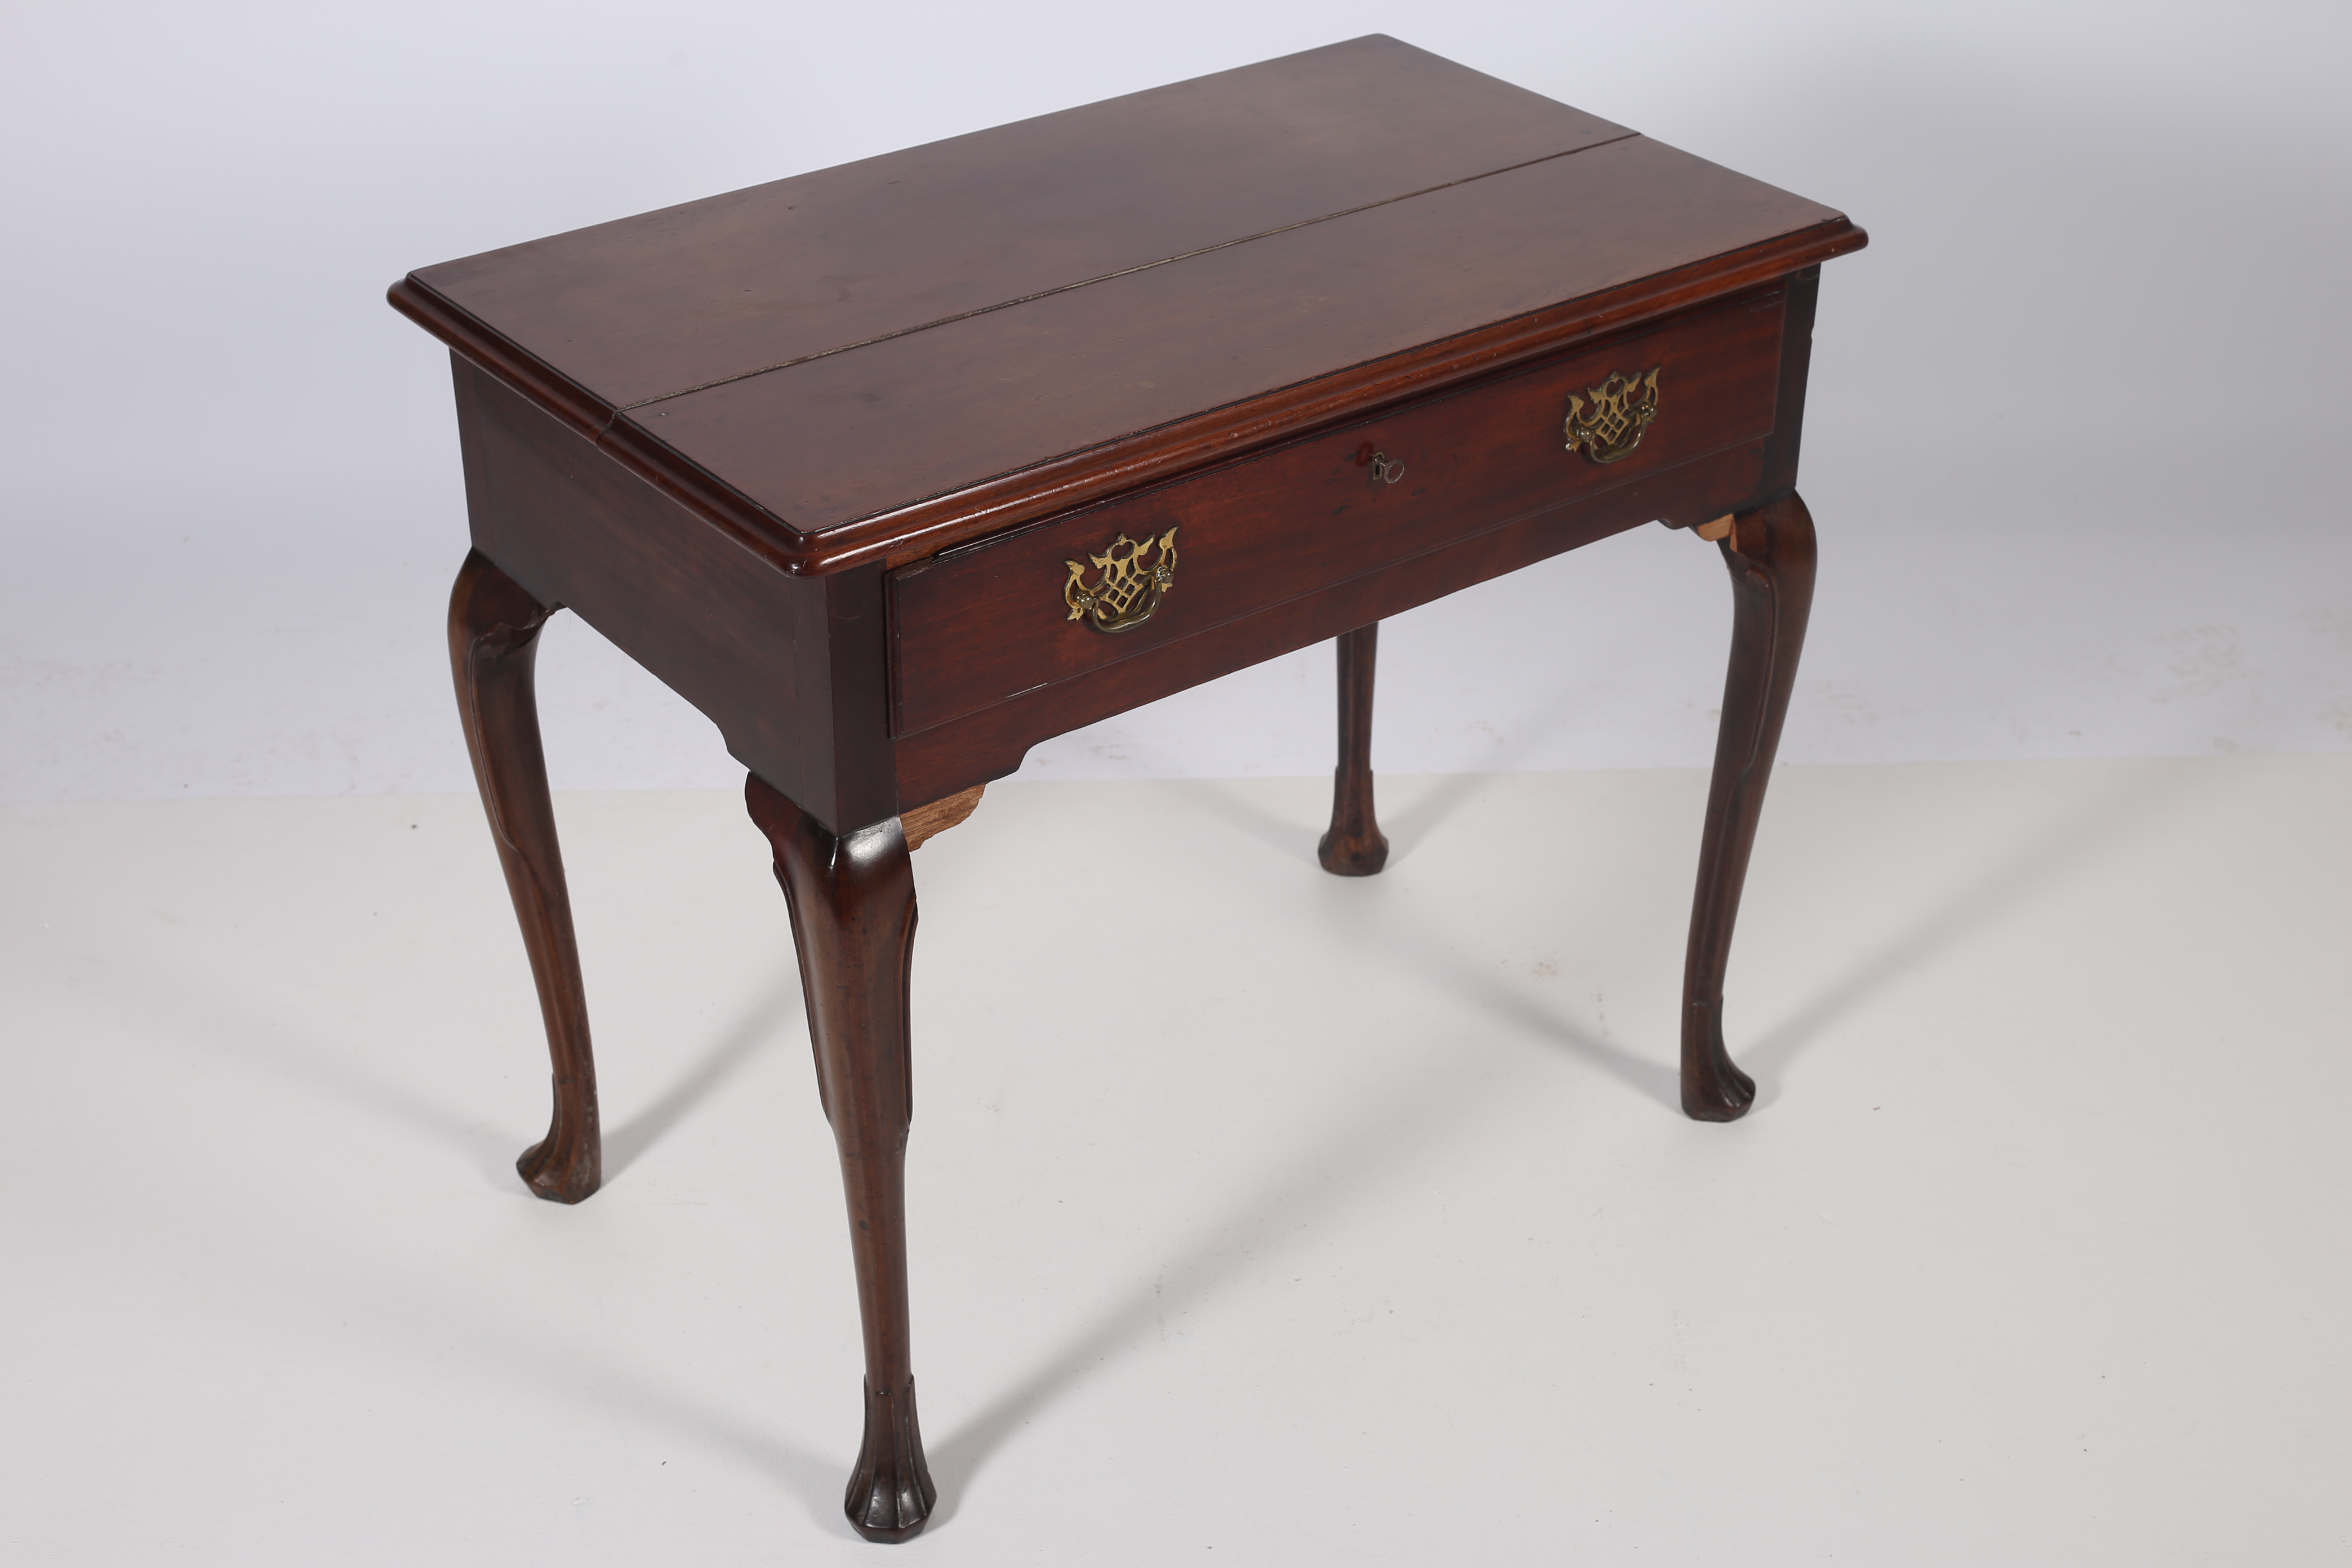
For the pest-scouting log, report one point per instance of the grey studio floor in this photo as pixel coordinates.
(1258, 1215)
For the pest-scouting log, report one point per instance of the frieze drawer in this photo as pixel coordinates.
(993, 620)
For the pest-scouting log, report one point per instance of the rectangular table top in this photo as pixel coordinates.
(884, 358)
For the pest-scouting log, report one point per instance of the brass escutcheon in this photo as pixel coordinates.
(1126, 592)
(1622, 407)
(1386, 470)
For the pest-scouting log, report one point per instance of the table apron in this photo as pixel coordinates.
(989, 742)
(990, 622)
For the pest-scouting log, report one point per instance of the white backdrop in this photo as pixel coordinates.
(2075, 421)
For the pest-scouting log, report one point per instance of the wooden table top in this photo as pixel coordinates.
(885, 359)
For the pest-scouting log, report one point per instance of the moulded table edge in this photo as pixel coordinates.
(924, 527)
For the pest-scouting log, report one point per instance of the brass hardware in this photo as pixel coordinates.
(1386, 470)
(1127, 591)
(1717, 529)
(1622, 407)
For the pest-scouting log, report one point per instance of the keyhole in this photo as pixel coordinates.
(1386, 470)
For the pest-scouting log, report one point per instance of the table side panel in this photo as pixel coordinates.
(652, 305)
(741, 640)
(990, 744)
(984, 624)
(1796, 367)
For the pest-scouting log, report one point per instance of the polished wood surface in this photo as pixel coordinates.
(1770, 552)
(820, 455)
(832, 426)
(494, 627)
(1353, 845)
(853, 907)
(989, 742)
(987, 623)
(793, 671)
(651, 306)
(1189, 347)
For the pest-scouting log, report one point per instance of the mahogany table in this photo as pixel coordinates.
(897, 468)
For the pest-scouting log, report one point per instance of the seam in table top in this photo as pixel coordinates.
(1102, 278)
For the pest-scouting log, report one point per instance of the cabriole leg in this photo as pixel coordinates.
(493, 642)
(1354, 847)
(853, 907)
(1771, 554)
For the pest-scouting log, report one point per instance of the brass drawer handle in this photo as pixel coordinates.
(1126, 592)
(1622, 407)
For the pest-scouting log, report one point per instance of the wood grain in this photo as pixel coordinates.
(1354, 846)
(791, 669)
(853, 907)
(922, 824)
(1770, 552)
(985, 624)
(653, 305)
(493, 627)
(815, 454)
(935, 356)
(917, 419)
(990, 744)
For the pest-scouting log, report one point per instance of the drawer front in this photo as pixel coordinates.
(982, 624)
